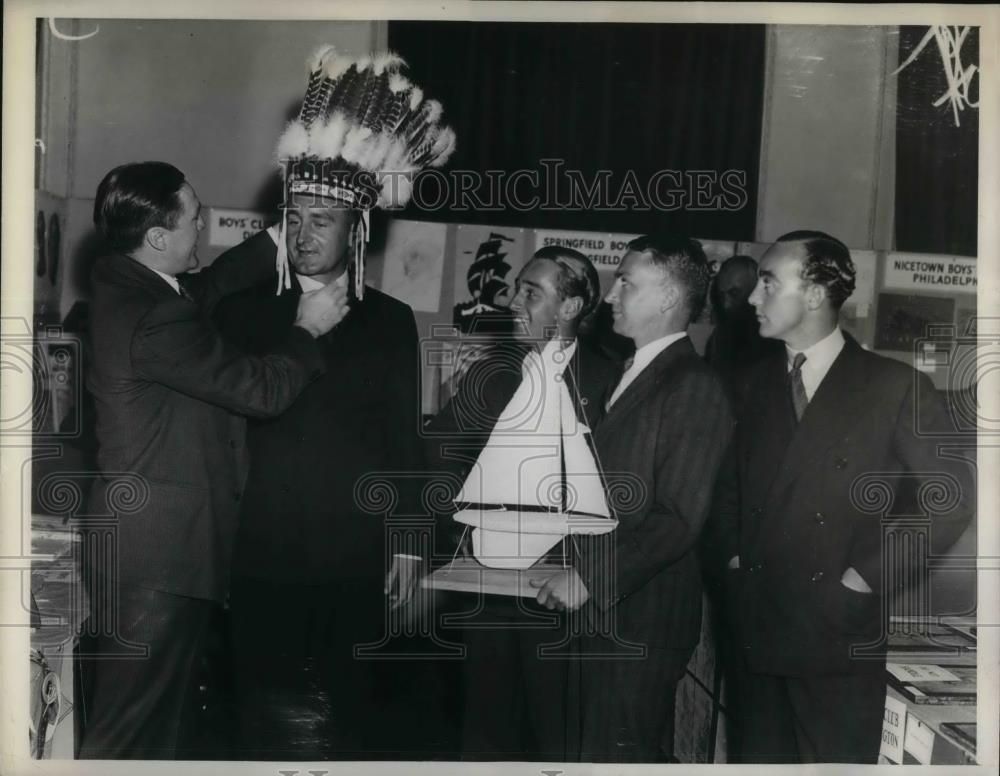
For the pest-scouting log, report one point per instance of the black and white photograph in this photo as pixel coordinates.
(539, 388)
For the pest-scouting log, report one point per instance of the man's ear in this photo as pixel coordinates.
(570, 308)
(815, 296)
(156, 238)
(671, 298)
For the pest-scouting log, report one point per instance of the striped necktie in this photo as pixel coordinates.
(799, 398)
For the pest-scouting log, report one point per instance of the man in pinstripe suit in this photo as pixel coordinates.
(638, 589)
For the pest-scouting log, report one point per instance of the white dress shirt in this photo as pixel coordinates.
(819, 359)
(642, 358)
(170, 279)
(308, 283)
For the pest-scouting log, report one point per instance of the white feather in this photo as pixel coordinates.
(432, 110)
(363, 63)
(415, 97)
(336, 66)
(396, 190)
(398, 83)
(387, 59)
(327, 140)
(356, 144)
(293, 143)
(318, 57)
(444, 144)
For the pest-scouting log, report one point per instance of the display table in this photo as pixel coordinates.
(58, 608)
(951, 717)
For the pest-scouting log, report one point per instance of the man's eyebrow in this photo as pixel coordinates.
(765, 273)
(528, 283)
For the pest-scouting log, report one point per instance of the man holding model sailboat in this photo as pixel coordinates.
(660, 443)
(514, 700)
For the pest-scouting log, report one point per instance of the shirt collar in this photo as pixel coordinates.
(169, 278)
(822, 354)
(309, 284)
(644, 355)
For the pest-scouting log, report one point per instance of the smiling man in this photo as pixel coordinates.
(309, 560)
(170, 394)
(667, 425)
(514, 702)
(806, 567)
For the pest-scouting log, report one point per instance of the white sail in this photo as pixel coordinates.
(537, 449)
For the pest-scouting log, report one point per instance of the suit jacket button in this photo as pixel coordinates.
(584, 401)
(818, 576)
(840, 464)
(819, 517)
(757, 511)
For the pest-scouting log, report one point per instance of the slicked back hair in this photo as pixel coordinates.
(577, 277)
(827, 263)
(134, 198)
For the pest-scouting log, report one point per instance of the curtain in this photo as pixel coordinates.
(936, 162)
(613, 103)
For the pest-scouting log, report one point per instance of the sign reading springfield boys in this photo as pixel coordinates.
(603, 249)
(932, 273)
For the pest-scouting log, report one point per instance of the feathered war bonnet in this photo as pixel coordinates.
(362, 132)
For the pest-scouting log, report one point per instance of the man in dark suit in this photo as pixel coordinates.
(805, 557)
(310, 560)
(515, 702)
(667, 425)
(170, 396)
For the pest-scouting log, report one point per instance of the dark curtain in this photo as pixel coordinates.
(626, 98)
(936, 162)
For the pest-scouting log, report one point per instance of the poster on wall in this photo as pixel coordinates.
(487, 260)
(930, 273)
(413, 263)
(904, 319)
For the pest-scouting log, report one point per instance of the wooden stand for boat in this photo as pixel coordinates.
(466, 575)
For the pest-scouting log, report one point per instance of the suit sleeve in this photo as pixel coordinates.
(175, 346)
(952, 485)
(238, 269)
(695, 430)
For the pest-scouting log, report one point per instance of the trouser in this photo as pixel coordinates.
(627, 704)
(303, 694)
(823, 719)
(515, 702)
(135, 703)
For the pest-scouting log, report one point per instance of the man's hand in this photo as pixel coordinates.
(853, 580)
(402, 579)
(322, 309)
(563, 591)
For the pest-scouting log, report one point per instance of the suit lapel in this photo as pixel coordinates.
(840, 397)
(769, 424)
(640, 388)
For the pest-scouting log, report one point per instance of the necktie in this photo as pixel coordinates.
(799, 398)
(184, 292)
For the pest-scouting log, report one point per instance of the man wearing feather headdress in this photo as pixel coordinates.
(310, 560)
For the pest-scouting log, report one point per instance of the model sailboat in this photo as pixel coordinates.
(537, 480)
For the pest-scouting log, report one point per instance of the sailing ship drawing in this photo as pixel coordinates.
(487, 283)
(537, 480)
